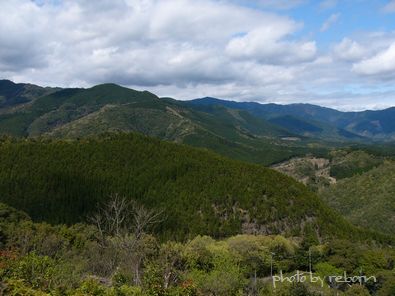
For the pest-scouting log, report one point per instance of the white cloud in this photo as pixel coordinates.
(268, 45)
(382, 64)
(349, 50)
(184, 49)
(330, 22)
(143, 42)
(272, 4)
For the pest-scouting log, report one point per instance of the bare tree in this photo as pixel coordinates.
(122, 224)
(144, 219)
(120, 216)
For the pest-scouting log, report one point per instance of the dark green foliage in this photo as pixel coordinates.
(357, 290)
(10, 215)
(345, 165)
(376, 122)
(200, 192)
(12, 94)
(295, 124)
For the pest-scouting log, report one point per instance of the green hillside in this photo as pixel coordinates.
(338, 164)
(200, 192)
(345, 164)
(14, 94)
(317, 121)
(357, 183)
(367, 199)
(74, 113)
(61, 107)
(301, 119)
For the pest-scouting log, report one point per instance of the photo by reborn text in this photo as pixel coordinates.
(197, 148)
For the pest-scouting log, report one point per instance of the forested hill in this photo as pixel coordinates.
(199, 191)
(317, 121)
(72, 113)
(17, 94)
(368, 198)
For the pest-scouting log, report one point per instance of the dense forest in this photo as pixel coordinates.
(199, 192)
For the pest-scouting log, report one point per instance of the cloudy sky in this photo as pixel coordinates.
(339, 54)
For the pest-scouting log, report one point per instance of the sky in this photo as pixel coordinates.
(339, 54)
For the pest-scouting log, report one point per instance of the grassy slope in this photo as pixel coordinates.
(201, 192)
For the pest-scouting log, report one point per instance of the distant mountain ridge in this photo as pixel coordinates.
(373, 125)
(12, 94)
(77, 112)
(261, 133)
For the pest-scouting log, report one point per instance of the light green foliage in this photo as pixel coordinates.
(39, 272)
(324, 269)
(203, 266)
(17, 287)
(364, 191)
(76, 260)
(223, 278)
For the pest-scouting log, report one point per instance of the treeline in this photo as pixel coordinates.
(199, 192)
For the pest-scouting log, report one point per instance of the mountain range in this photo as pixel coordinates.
(316, 121)
(103, 184)
(264, 119)
(261, 133)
